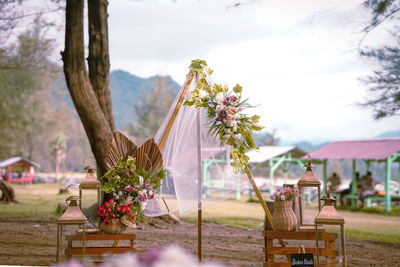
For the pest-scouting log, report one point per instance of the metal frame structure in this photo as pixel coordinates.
(389, 158)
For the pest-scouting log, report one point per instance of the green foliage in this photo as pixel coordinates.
(127, 184)
(32, 107)
(151, 109)
(223, 113)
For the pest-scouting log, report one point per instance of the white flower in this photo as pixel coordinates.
(234, 129)
(144, 191)
(140, 180)
(232, 123)
(220, 108)
(150, 192)
(230, 117)
(237, 136)
(219, 98)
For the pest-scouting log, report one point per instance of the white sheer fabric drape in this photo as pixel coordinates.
(180, 190)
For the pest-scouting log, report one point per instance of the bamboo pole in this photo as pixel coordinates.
(266, 210)
(199, 188)
(177, 107)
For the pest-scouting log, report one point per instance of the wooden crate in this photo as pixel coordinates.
(271, 249)
(89, 250)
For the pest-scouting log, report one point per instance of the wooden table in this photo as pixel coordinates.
(90, 250)
(329, 251)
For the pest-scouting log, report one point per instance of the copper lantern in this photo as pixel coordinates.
(90, 183)
(308, 180)
(72, 216)
(329, 216)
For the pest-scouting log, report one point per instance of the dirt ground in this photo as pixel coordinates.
(33, 242)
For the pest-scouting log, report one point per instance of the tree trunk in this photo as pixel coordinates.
(86, 101)
(99, 58)
(7, 193)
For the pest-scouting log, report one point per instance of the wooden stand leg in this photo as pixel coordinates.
(58, 243)
(316, 244)
(343, 245)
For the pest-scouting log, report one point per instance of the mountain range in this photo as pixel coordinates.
(126, 90)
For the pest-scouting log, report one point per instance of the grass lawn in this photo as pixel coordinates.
(40, 201)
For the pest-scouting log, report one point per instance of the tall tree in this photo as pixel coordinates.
(151, 109)
(384, 84)
(90, 91)
(33, 109)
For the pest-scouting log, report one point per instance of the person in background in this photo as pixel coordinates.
(348, 191)
(367, 187)
(334, 182)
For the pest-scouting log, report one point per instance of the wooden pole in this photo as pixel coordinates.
(177, 107)
(199, 185)
(266, 210)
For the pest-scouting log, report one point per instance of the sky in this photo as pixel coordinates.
(296, 60)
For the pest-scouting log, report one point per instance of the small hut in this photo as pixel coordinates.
(23, 166)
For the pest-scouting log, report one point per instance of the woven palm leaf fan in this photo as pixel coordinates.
(148, 156)
(120, 147)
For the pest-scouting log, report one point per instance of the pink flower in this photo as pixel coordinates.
(128, 211)
(98, 215)
(130, 205)
(99, 208)
(112, 216)
(228, 98)
(133, 216)
(105, 204)
(121, 210)
(107, 222)
(234, 99)
(146, 185)
(108, 210)
(105, 216)
(143, 198)
(283, 197)
(128, 188)
(273, 197)
(152, 196)
(225, 102)
(111, 200)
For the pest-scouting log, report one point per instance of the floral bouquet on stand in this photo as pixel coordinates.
(133, 178)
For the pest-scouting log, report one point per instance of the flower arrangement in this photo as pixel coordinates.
(131, 188)
(111, 210)
(286, 193)
(225, 113)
